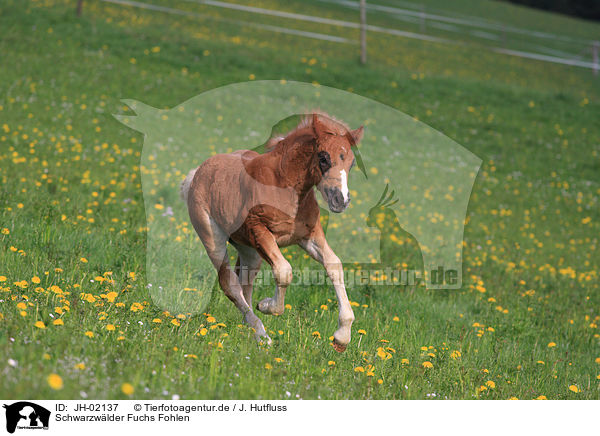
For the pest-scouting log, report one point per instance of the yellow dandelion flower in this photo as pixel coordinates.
(268, 366)
(90, 298)
(427, 364)
(55, 381)
(404, 361)
(58, 322)
(382, 354)
(35, 279)
(40, 325)
(136, 307)
(110, 327)
(316, 334)
(175, 322)
(359, 369)
(83, 260)
(203, 331)
(455, 354)
(157, 320)
(331, 363)
(362, 332)
(80, 366)
(491, 384)
(574, 388)
(127, 388)
(380, 382)
(551, 344)
(541, 397)
(89, 334)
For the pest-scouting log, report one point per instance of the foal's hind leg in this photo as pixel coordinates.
(215, 242)
(246, 268)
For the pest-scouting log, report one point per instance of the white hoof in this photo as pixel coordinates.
(263, 339)
(341, 339)
(268, 307)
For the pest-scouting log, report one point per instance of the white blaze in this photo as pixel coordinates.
(344, 185)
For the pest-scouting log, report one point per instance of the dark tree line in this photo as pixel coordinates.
(588, 9)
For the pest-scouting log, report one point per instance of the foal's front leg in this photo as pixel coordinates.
(266, 245)
(318, 248)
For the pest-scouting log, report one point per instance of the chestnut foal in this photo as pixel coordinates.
(260, 202)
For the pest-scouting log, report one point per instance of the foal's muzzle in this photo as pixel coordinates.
(335, 200)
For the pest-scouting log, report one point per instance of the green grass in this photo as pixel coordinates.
(71, 190)
(510, 14)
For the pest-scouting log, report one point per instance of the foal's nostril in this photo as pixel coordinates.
(338, 199)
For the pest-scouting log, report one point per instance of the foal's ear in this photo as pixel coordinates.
(319, 127)
(355, 136)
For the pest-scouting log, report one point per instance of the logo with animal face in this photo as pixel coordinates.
(427, 177)
(26, 415)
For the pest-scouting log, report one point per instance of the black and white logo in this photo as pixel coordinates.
(26, 415)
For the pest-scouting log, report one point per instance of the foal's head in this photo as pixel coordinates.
(333, 160)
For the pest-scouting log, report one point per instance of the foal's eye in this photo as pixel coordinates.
(342, 156)
(324, 161)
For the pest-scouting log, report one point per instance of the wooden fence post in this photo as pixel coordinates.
(595, 47)
(363, 31)
(79, 7)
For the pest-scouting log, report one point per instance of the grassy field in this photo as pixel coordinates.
(76, 319)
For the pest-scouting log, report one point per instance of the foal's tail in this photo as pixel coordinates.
(184, 189)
